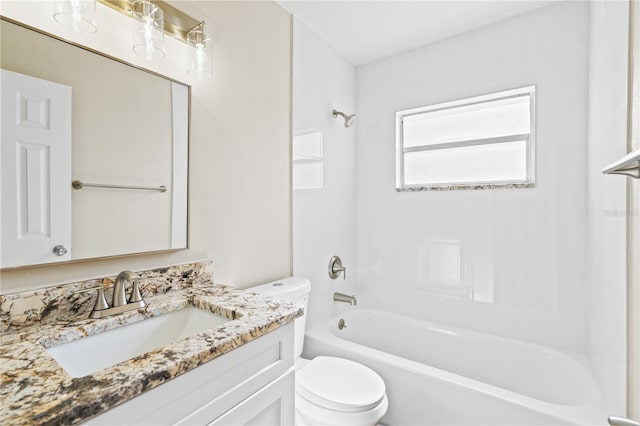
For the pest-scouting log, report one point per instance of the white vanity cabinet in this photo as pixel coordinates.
(252, 384)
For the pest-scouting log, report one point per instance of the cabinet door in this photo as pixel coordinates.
(35, 155)
(207, 392)
(273, 405)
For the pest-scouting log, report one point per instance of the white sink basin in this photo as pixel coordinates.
(94, 353)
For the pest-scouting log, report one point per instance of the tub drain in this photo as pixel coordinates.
(341, 324)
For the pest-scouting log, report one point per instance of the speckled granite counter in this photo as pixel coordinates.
(35, 390)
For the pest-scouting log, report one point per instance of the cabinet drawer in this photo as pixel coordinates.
(219, 384)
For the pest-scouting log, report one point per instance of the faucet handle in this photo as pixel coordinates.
(101, 301)
(135, 292)
(335, 267)
(344, 272)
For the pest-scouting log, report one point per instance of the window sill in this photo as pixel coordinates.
(465, 187)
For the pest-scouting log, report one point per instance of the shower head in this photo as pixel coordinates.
(348, 119)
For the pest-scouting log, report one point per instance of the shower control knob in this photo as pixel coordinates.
(335, 268)
(59, 250)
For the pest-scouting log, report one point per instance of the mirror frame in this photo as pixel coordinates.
(188, 200)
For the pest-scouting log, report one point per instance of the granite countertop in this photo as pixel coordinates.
(36, 390)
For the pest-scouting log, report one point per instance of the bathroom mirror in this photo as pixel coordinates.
(129, 131)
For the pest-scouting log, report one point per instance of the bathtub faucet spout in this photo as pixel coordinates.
(339, 297)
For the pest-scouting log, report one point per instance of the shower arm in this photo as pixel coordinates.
(347, 118)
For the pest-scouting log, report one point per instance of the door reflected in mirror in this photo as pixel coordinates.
(128, 131)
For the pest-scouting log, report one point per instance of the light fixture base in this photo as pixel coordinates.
(176, 23)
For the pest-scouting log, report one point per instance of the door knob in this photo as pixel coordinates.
(59, 250)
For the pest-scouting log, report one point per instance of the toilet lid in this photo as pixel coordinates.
(340, 384)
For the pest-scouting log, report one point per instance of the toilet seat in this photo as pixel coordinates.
(339, 384)
(310, 414)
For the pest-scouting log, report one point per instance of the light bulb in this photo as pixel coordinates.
(201, 58)
(148, 30)
(200, 66)
(148, 37)
(77, 15)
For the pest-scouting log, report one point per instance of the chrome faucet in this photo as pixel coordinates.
(119, 302)
(339, 297)
(119, 295)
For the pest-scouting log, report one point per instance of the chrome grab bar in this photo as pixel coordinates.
(79, 185)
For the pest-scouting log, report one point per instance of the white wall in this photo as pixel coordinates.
(523, 251)
(607, 209)
(240, 197)
(324, 219)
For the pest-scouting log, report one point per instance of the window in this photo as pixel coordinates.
(481, 141)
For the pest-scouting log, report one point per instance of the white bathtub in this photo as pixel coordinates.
(438, 375)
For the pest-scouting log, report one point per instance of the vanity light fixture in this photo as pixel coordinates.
(201, 65)
(77, 15)
(148, 30)
(151, 20)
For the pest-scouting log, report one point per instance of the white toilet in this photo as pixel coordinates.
(329, 390)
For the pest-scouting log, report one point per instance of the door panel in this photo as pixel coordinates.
(36, 170)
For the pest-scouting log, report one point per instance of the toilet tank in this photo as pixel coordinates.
(291, 289)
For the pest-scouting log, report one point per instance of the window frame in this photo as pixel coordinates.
(530, 141)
